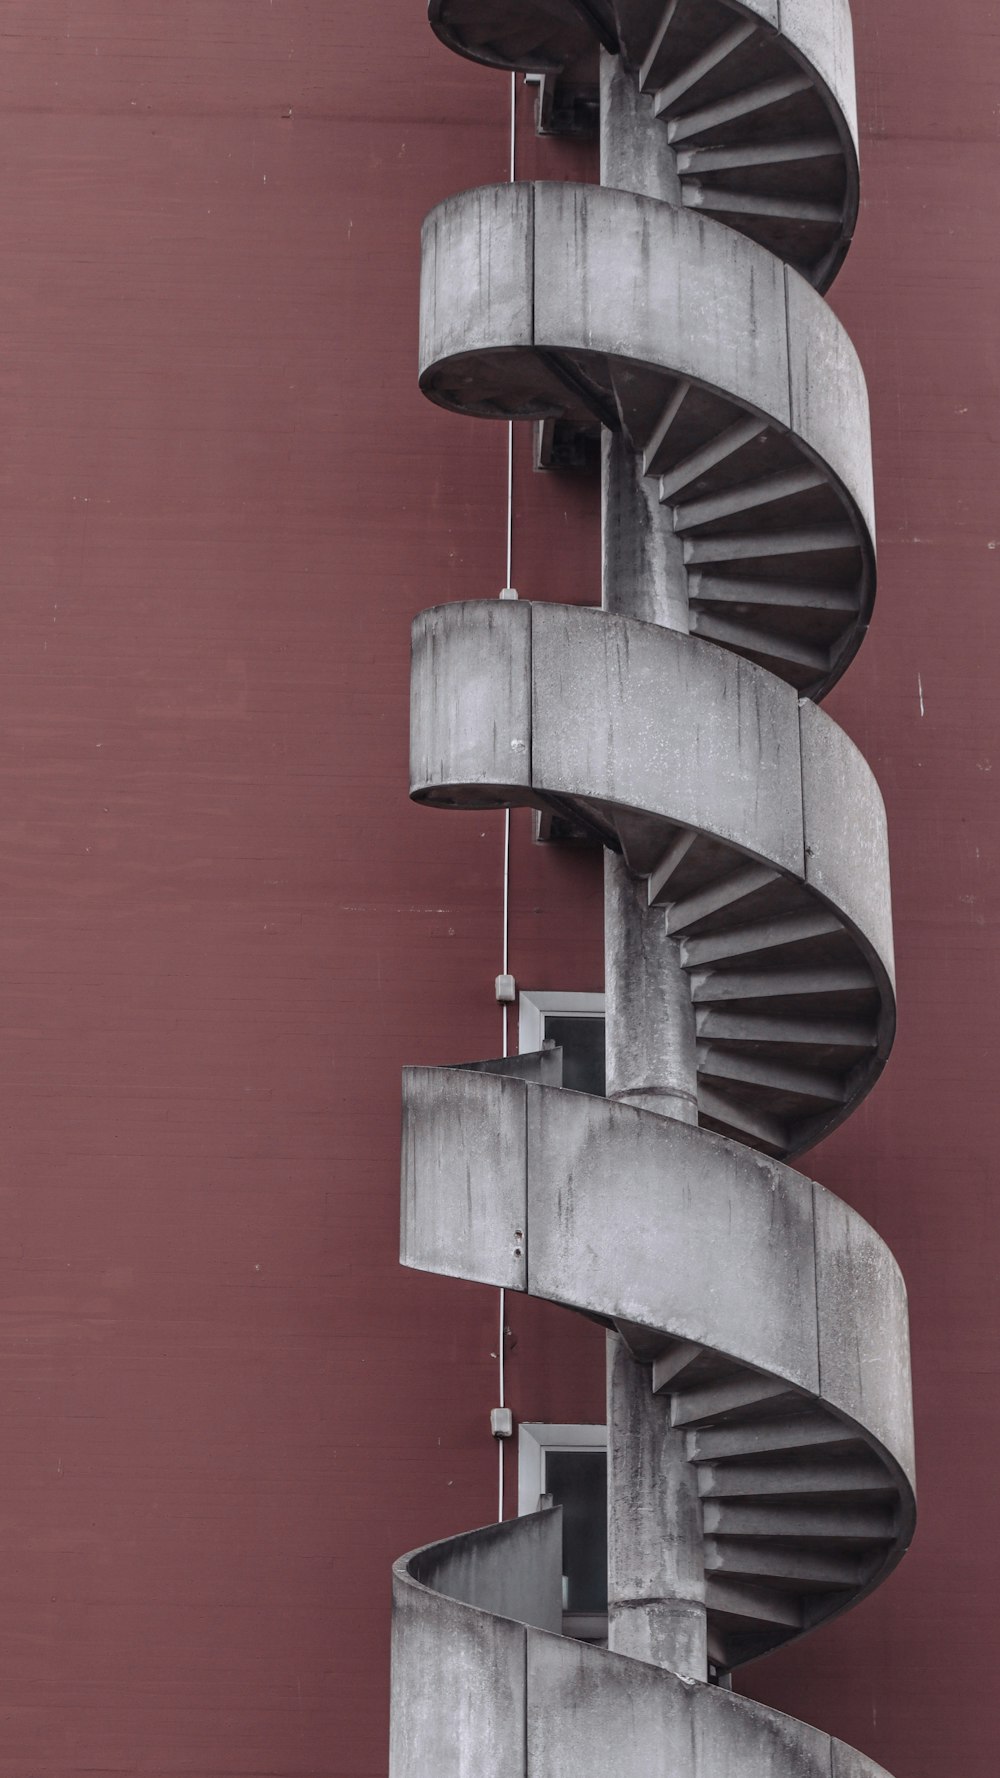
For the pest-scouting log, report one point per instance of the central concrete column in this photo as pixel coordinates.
(656, 1580)
(643, 558)
(656, 1583)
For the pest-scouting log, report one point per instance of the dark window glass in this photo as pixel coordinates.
(582, 1043)
(578, 1482)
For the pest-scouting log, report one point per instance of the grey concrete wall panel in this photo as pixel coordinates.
(639, 280)
(652, 1221)
(592, 1714)
(823, 38)
(829, 395)
(847, 841)
(513, 1569)
(470, 702)
(650, 1044)
(687, 731)
(476, 271)
(736, 1738)
(864, 1338)
(443, 1651)
(656, 1565)
(464, 1176)
(636, 154)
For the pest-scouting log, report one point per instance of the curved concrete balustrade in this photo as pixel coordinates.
(637, 1218)
(698, 747)
(538, 1703)
(726, 373)
(535, 1704)
(756, 97)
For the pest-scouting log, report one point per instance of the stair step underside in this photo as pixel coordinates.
(686, 80)
(695, 162)
(708, 457)
(724, 113)
(728, 1397)
(759, 937)
(801, 1522)
(766, 545)
(803, 1086)
(718, 987)
(795, 1479)
(764, 1564)
(746, 1122)
(757, 643)
(706, 589)
(722, 201)
(767, 493)
(764, 1437)
(734, 94)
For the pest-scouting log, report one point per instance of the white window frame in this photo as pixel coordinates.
(534, 1439)
(536, 1004)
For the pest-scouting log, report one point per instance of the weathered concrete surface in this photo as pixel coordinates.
(464, 1174)
(648, 1220)
(846, 837)
(656, 1570)
(829, 395)
(525, 1702)
(686, 731)
(594, 1714)
(649, 1017)
(643, 574)
(824, 37)
(636, 279)
(635, 148)
(864, 1334)
(495, 286)
(512, 1569)
(443, 1650)
(470, 702)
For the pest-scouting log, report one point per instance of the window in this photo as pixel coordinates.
(576, 1023)
(568, 1465)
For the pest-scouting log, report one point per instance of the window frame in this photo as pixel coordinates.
(534, 1439)
(535, 1004)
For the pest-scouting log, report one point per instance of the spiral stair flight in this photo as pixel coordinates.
(760, 1419)
(756, 98)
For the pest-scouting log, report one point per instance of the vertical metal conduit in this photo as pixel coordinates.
(759, 1411)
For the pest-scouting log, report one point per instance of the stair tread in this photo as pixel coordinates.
(750, 101)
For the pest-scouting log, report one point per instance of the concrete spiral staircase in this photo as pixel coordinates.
(760, 1425)
(757, 100)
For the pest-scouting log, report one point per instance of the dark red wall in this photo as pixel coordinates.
(223, 929)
